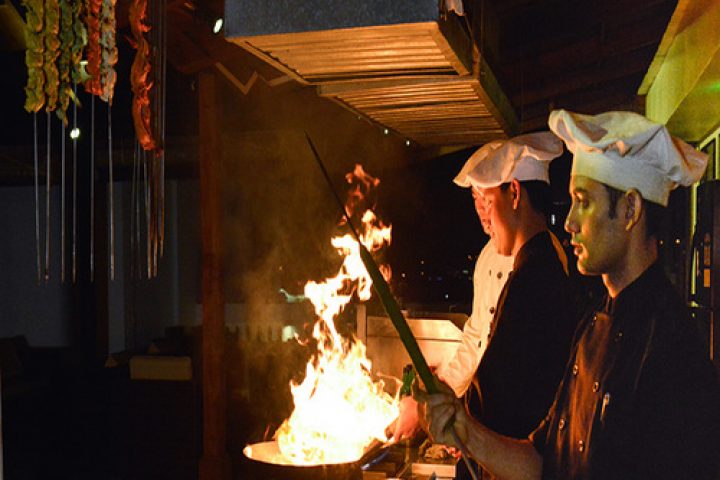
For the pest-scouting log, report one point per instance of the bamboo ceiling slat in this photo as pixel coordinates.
(450, 111)
(400, 30)
(331, 78)
(355, 44)
(370, 64)
(437, 119)
(342, 55)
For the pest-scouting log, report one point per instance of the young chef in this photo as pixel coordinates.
(639, 398)
(529, 336)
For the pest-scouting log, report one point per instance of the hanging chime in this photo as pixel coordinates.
(58, 34)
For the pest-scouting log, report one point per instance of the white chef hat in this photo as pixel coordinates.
(625, 150)
(525, 157)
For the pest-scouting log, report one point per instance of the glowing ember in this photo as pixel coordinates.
(339, 409)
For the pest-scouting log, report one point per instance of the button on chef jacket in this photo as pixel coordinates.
(529, 343)
(639, 398)
(491, 272)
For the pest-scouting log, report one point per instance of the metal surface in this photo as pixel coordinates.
(437, 338)
(246, 18)
(267, 463)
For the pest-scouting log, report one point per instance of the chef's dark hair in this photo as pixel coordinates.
(539, 194)
(654, 212)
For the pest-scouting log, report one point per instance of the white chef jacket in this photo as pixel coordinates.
(491, 273)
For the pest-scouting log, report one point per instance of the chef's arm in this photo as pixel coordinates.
(506, 458)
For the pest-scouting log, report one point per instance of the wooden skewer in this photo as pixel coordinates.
(163, 82)
(139, 196)
(47, 202)
(147, 216)
(110, 195)
(62, 204)
(74, 187)
(37, 199)
(133, 193)
(92, 188)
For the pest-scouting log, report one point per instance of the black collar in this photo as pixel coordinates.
(538, 243)
(638, 293)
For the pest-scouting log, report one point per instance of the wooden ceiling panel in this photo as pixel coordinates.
(417, 79)
(450, 112)
(336, 55)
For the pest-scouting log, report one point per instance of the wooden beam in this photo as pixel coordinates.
(683, 94)
(568, 26)
(618, 95)
(583, 53)
(564, 83)
(665, 43)
(214, 462)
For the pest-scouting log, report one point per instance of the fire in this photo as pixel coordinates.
(339, 409)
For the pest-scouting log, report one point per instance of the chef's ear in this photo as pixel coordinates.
(633, 208)
(516, 191)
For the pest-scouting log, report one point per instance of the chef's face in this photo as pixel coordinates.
(482, 211)
(499, 205)
(599, 242)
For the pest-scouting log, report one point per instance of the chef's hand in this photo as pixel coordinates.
(407, 423)
(440, 413)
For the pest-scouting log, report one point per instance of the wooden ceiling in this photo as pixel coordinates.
(416, 79)
(589, 56)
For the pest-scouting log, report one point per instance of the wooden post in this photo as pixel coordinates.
(214, 462)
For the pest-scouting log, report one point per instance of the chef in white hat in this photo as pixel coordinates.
(491, 272)
(532, 322)
(639, 398)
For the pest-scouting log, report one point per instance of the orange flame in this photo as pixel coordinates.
(339, 409)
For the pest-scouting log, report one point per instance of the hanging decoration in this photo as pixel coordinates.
(102, 55)
(140, 81)
(35, 95)
(34, 56)
(79, 76)
(59, 33)
(147, 80)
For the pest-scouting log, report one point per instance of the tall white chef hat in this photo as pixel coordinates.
(525, 157)
(625, 150)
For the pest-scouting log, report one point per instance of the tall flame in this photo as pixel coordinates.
(339, 409)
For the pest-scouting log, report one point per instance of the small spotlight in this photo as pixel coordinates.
(386, 131)
(218, 25)
(407, 143)
(75, 133)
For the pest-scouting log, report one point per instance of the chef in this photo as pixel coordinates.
(639, 398)
(491, 272)
(529, 335)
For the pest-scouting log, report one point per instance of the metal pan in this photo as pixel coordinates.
(262, 460)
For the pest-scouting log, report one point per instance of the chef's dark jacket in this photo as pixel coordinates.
(639, 398)
(529, 345)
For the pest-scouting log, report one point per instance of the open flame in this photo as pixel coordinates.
(339, 409)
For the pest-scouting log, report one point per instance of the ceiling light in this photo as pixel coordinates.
(218, 25)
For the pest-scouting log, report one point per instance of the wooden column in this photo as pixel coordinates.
(215, 462)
